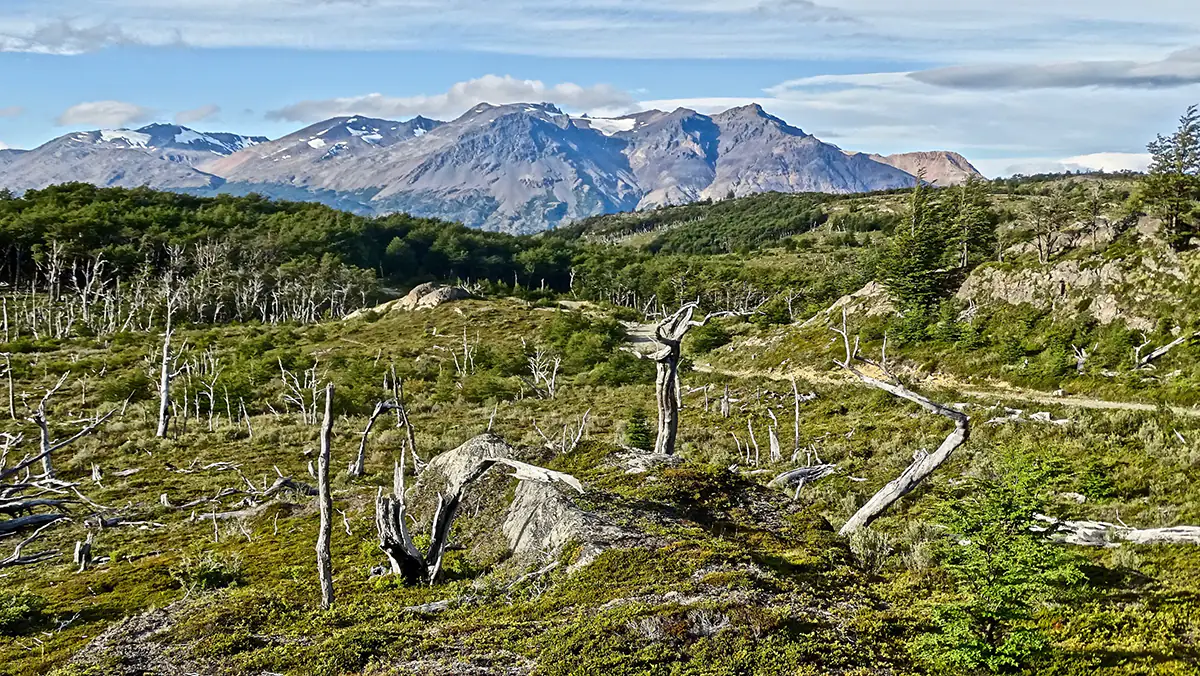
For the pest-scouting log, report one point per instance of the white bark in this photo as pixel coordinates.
(923, 464)
(325, 503)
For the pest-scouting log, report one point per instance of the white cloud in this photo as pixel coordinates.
(459, 98)
(104, 114)
(891, 112)
(63, 37)
(198, 114)
(1178, 69)
(1111, 162)
(953, 31)
(11, 111)
(3, 145)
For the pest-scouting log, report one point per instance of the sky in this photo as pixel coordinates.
(1017, 87)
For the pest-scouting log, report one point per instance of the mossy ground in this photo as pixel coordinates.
(746, 580)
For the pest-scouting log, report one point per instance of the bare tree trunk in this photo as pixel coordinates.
(164, 387)
(668, 402)
(358, 467)
(325, 502)
(923, 464)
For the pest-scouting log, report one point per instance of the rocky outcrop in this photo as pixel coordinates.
(870, 301)
(1099, 290)
(422, 297)
(541, 520)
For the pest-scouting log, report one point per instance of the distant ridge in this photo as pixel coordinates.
(521, 167)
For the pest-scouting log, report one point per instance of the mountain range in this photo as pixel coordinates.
(514, 168)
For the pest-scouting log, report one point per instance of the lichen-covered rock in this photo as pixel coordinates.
(422, 297)
(870, 301)
(409, 302)
(540, 521)
(441, 295)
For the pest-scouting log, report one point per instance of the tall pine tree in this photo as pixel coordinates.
(1171, 190)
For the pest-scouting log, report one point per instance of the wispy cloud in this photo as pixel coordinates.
(461, 96)
(952, 30)
(104, 114)
(1179, 69)
(63, 37)
(197, 114)
(893, 112)
(12, 111)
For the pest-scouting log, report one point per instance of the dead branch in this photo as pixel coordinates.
(395, 541)
(923, 464)
(1103, 534)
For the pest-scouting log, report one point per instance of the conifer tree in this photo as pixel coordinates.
(1171, 190)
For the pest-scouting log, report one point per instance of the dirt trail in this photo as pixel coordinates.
(640, 336)
(829, 378)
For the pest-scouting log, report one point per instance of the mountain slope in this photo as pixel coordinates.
(761, 153)
(515, 168)
(942, 168)
(159, 155)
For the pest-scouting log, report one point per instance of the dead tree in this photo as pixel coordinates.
(358, 467)
(669, 335)
(12, 396)
(47, 447)
(325, 502)
(924, 463)
(1146, 361)
(396, 541)
(1103, 534)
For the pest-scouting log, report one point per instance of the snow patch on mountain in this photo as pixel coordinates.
(133, 138)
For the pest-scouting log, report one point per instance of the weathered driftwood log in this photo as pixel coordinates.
(924, 463)
(325, 503)
(1104, 534)
(16, 559)
(394, 539)
(26, 522)
(1141, 361)
(18, 507)
(805, 475)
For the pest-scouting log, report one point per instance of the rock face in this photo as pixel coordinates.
(540, 521)
(514, 168)
(422, 297)
(942, 168)
(870, 301)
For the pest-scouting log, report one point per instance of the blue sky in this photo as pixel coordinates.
(1017, 86)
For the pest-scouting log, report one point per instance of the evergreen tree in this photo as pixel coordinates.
(637, 430)
(914, 265)
(974, 223)
(1171, 190)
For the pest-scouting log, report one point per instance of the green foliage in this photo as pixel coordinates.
(1171, 189)
(1005, 570)
(208, 571)
(709, 337)
(20, 612)
(638, 433)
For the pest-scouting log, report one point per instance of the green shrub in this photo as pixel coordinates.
(637, 430)
(210, 570)
(20, 612)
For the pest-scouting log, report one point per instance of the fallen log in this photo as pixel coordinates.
(1104, 534)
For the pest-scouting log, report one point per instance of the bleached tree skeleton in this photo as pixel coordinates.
(923, 464)
(669, 334)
